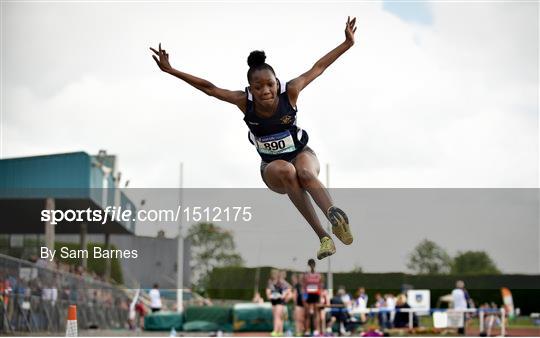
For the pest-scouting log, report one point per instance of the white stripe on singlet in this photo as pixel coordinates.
(282, 86)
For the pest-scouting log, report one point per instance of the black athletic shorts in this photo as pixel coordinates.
(265, 164)
(313, 298)
(277, 301)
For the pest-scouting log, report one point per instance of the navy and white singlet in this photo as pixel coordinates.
(276, 137)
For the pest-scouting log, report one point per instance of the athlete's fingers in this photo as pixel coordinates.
(348, 19)
(153, 50)
(354, 30)
(160, 46)
(157, 62)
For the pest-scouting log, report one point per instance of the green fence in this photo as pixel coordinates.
(239, 283)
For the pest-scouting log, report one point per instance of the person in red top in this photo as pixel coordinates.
(312, 286)
(5, 290)
(141, 312)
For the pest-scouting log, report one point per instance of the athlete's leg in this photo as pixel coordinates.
(310, 320)
(275, 319)
(317, 318)
(322, 319)
(307, 168)
(299, 319)
(280, 319)
(280, 176)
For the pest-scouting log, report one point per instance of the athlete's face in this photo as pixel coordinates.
(263, 86)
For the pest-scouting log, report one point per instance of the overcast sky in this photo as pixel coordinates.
(433, 94)
(387, 224)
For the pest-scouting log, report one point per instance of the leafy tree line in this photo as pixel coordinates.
(428, 258)
(211, 247)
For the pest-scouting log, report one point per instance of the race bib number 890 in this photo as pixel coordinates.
(276, 144)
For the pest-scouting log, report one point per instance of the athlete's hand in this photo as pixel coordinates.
(163, 61)
(350, 29)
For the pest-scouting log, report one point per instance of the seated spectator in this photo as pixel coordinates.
(401, 319)
(338, 311)
(382, 316)
(390, 306)
(359, 305)
(493, 317)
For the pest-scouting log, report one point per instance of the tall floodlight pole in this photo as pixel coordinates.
(329, 226)
(180, 256)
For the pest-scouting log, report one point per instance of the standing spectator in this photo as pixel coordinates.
(155, 298)
(459, 300)
(298, 298)
(313, 288)
(141, 312)
(277, 291)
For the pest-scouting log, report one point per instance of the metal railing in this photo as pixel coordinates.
(411, 312)
(35, 299)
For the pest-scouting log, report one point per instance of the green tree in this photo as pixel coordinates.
(429, 258)
(211, 247)
(357, 269)
(474, 263)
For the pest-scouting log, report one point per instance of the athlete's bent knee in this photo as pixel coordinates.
(287, 175)
(305, 177)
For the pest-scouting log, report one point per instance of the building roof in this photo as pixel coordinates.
(76, 181)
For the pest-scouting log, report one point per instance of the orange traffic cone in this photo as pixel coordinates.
(71, 326)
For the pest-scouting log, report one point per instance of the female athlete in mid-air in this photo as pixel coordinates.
(288, 165)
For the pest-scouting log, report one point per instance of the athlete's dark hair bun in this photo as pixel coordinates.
(256, 58)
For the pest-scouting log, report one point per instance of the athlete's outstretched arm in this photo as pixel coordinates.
(295, 86)
(237, 97)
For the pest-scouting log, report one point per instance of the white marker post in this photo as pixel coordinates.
(180, 256)
(329, 228)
